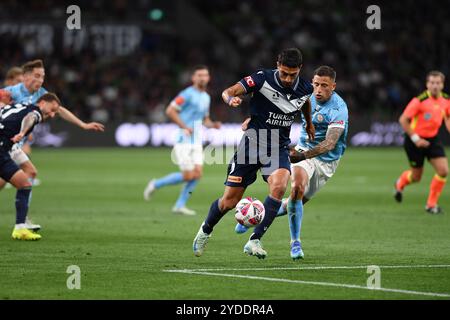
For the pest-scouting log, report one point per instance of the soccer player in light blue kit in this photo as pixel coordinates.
(189, 110)
(28, 92)
(314, 162)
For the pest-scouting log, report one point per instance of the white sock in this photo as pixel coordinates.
(20, 226)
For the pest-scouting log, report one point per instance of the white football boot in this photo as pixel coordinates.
(200, 241)
(254, 248)
(31, 226)
(185, 211)
(149, 190)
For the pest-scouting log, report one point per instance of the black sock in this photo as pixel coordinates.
(22, 199)
(271, 206)
(213, 217)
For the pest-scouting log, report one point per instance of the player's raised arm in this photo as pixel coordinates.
(231, 95)
(70, 117)
(27, 124)
(306, 111)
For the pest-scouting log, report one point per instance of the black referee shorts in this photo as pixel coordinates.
(416, 156)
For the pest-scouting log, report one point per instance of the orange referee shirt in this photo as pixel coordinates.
(427, 113)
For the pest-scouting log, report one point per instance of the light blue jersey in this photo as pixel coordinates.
(20, 94)
(193, 106)
(331, 114)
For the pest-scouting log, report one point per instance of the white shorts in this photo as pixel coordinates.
(187, 155)
(319, 172)
(18, 155)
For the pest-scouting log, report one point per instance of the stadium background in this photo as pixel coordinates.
(128, 61)
(123, 67)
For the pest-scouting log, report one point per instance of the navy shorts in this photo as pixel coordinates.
(248, 159)
(7, 166)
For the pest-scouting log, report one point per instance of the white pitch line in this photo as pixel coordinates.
(328, 284)
(315, 268)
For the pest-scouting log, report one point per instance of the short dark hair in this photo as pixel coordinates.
(30, 65)
(49, 97)
(436, 73)
(291, 57)
(199, 67)
(325, 71)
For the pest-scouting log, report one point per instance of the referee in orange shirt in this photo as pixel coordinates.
(421, 121)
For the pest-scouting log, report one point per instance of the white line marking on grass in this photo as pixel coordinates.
(315, 268)
(317, 283)
(208, 272)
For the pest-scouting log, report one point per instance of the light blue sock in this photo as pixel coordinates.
(186, 193)
(170, 179)
(295, 212)
(282, 211)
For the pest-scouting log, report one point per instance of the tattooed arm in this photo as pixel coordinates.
(332, 137)
(27, 124)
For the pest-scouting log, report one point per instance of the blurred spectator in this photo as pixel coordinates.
(377, 70)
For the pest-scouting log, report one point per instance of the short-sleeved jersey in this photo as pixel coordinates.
(273, 106)
(331, 114)
(20, 94)
(11, 117)
(193, 106)
(427, 113)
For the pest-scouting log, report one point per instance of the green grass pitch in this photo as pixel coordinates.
(93, 215)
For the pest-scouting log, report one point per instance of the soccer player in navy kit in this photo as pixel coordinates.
(319, 158)
(16, 122)
(277, 97)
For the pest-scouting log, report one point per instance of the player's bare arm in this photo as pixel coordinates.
(27, 124)
(207, 122)
(70, 117)
(405, 122)
(173, 113)
(231, 96)
(332, 137)
(310, 130)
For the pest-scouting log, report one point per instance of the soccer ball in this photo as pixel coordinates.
(249, 212)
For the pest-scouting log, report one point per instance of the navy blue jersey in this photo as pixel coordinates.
(11, 117)
(274, 106)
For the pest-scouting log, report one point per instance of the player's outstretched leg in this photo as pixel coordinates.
(404, 179)
(155, 184)
(254, 247)
(436, 186)
(295, 213)
(180, 205)
(239, 228)
(204, 233)
(21, 182)
(218, 209)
